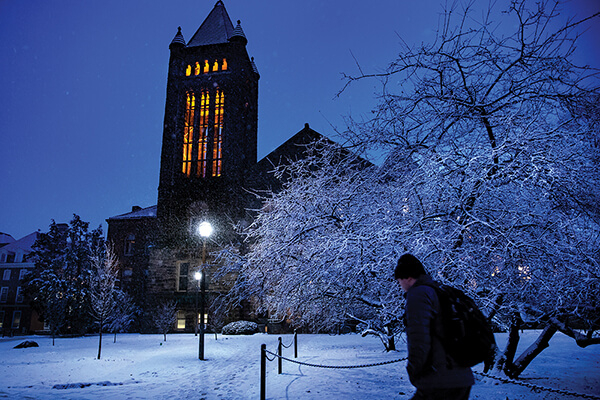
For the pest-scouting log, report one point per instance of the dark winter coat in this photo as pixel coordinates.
(428, 364)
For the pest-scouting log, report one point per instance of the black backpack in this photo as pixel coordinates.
(467, 334)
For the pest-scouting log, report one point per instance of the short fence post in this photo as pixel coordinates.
(279, 360)
(263, 371)
(295, 344)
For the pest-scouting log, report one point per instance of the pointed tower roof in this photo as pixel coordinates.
(178, 39)
(216, 28)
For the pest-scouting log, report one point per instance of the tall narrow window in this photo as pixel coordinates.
(16, 322)
(129, 244)
(215, 66)
(188, 133)
(197, 68)
(19, 297)
(206, 67)
(188, 70)
(182, 277)
(203, 139)
(3, 294)
(218, 136)
(224, 65)
(180, 320)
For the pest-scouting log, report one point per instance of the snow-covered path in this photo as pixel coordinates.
(145, 367)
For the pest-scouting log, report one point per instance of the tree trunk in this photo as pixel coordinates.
(506, 362)
(528, 355)
(100, 340)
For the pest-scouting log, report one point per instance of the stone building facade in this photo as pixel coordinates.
(208, 168)
(16, 315)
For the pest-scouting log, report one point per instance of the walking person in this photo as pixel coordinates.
(430, 369)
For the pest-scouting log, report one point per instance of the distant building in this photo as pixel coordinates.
(16, 316)
(208, 165)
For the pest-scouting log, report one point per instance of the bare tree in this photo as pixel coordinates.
(103, 290)
(123, 315)
(165, 317)
(312, 257)
(491, 177)
(492, 142)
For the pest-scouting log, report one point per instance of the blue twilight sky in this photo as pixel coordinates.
(83, 84)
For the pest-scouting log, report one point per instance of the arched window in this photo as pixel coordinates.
(203, 134)
(130, 244)
(188, 70)
(197, 68)
(224, 65)
(188, 133)
(218, 135)
(203, 139)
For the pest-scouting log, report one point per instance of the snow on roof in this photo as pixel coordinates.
(6, 238)
(23, 244)
(148, 212)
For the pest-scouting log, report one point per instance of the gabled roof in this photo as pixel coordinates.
(216, 28)
(24, 244)
(137, 213)
(5, 238)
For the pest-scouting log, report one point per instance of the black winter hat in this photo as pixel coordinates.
(408, 266)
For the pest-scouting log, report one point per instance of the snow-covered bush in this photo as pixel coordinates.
(240, 328)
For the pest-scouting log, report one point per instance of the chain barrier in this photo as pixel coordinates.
(535, 387)
(280, 358)
(336, 366)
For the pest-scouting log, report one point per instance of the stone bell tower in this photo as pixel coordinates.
(209, 140)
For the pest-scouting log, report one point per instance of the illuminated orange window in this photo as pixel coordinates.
(206, 67)
(203, 139)
(224, 65)
(188, 70)
(197, 68)
(188, 133)
(218, 136)
(215, 66)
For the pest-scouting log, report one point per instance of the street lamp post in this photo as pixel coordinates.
(205, 229)
(197, 277)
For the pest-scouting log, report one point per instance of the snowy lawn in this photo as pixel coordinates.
(145, 367)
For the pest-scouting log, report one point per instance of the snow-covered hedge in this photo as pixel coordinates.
(240, 328)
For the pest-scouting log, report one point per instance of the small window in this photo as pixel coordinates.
(1, 319)
(180, 320)
(182, 277)
(129, 244)
(10, 257)
(16, 322)
(3, 295)
(205, 318)
(188, 70)
(215, 66)
(19, 298)
(2, 257)
(224, 65)
(206, 67)
(22, 274)
(6, 275)
(197, 68)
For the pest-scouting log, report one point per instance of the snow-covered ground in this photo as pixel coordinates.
(146, 367)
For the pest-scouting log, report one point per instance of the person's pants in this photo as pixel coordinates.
(442, 394)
